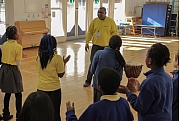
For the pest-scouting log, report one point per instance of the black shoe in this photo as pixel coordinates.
(7, 118)
(1, 117)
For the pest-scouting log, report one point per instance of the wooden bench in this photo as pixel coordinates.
(31, 32)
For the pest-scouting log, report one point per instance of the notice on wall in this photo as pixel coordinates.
(45, 11)
(33, 6)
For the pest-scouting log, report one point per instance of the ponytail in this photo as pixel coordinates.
(120, 58)
(115, 43)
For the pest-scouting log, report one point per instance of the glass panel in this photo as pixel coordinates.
(70, 19)
(55, 3)
(56, 19)
(81, 17)
(96, 7)
(118, 12)
(105, 4)
(2, 19)
(56, 23)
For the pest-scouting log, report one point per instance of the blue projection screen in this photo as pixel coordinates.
(154, 15)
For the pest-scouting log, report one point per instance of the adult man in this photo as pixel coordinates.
(100, 31)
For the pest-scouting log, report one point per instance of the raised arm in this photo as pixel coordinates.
(70, 114)
(62, 65)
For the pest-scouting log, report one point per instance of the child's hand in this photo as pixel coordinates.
(69, 107)
(171, 74)
(133, 85)
(24, 55)
(66, 59)
(123, 89)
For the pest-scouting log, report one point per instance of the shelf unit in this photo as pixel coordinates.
(133, 21)
(173, 25)
(168, 20)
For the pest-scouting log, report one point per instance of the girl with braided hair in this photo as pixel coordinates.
(154, 102)
(10, 76)
(50, 67)
(109, 57)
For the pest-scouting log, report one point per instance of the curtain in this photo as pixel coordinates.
(111, 9)
(89, 11)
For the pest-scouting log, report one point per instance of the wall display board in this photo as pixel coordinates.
(33, 6)
(155, 15)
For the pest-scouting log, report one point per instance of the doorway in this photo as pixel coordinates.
(76, 19)
(57, 20)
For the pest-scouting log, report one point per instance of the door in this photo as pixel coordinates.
(57, 18)
(96, 6)
(76, 19)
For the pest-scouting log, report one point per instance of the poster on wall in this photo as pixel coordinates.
(45, 11)
(33, 6)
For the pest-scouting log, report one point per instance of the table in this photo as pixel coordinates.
(124, 26)
(148, 27)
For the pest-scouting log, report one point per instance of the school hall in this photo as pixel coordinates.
(68, 21)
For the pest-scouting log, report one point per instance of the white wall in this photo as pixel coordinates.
(16, 10)
(133, 7)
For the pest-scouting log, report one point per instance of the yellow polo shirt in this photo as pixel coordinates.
(106, 28)
(11, 52)
(48, 79)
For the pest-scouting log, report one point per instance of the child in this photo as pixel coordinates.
(10, 76)
(109, 57)
(154, 102)
(175, 79)
(50, 67)
(37, 107)
(111, 107)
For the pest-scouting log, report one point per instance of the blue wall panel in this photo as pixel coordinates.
(154, 14)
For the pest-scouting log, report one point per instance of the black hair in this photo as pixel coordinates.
(115, 43)
(160, 54)
(108, 80)
(37, 107)
(103, 9)
(46, 50)
(11, 31)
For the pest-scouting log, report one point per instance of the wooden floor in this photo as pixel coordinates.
(133, 49)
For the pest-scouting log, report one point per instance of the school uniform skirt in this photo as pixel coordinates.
(10, 79)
